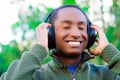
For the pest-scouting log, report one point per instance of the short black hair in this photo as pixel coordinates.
(53, 14)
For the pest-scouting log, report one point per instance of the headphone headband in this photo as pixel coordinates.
(48, 16)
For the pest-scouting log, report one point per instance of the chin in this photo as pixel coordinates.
(74, 51)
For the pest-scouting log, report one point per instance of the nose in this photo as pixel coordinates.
(75, 32)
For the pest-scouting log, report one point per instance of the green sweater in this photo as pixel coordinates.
(30, 67)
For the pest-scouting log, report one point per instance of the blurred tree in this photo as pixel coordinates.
(113, 31)
(9, 53)
(29, 19)
(68, 2)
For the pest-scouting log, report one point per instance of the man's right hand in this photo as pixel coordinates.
(42, 34)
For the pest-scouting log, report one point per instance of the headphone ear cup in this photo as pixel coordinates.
(51, 38)
(91, 35)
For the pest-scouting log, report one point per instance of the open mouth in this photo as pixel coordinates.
(74, 42)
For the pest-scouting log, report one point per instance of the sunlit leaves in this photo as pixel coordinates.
(68, 1)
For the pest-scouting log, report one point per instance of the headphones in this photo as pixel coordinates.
(51, 33)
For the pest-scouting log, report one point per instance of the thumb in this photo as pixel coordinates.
(94, 51)
(90, 51)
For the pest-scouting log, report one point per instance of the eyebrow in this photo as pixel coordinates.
(70, 22)
(67, 21)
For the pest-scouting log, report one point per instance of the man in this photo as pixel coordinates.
(69, 61)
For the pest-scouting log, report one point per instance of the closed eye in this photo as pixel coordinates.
(81, 27)
(82, 24)
(66, 27)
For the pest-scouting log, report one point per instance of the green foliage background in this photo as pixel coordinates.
(27, 23)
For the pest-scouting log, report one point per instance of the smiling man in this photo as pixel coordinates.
(70, 34)
(69, 60)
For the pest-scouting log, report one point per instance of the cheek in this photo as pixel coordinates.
(58, 37)
(59, 41)
(85, 35)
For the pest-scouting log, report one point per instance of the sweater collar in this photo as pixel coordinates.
(56, 62)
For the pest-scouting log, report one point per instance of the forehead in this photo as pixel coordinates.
(71, 13)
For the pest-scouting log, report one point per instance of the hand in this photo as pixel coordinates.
(42, 35)
(102, 42)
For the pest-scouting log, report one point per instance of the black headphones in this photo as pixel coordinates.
(51, 34)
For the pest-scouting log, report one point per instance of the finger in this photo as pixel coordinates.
(91, 51)
(42, 26)
(46, 25)
(97, 28)
(97, 40)
(94, 51)
(39, 26)
(99, 31)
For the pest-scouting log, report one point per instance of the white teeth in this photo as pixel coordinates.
(75, 43)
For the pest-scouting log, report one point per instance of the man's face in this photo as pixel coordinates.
(70, 31)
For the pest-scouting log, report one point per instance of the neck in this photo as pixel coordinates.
(69, 61)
